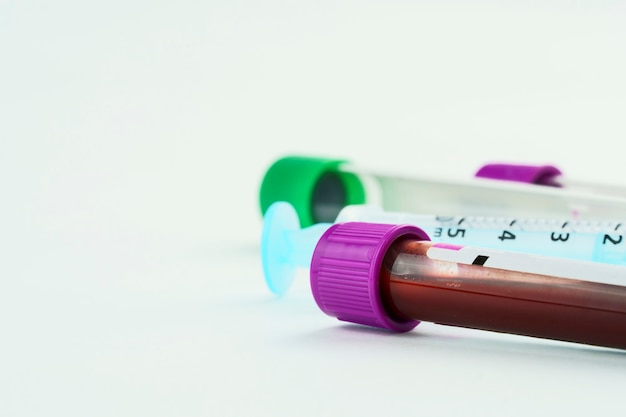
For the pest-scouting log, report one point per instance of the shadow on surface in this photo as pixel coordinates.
(459, 341)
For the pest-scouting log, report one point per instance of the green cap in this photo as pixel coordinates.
(315, 187)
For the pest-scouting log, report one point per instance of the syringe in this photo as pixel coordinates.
(285, 247)
(319, 188)
(547, 175)
(392, 277)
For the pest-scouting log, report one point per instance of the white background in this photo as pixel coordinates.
(133, 139)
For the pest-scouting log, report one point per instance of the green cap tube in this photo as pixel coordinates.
(316, 187)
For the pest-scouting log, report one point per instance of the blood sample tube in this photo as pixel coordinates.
(319, 188)
(393, 277)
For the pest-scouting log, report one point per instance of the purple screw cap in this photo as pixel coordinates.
(345, 272)
(531, 174)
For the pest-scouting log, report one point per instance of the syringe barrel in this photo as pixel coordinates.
(599, 241)
(384, 276)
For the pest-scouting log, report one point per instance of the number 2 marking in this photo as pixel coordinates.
(613, 240)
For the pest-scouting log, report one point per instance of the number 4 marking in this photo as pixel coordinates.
(506, 235)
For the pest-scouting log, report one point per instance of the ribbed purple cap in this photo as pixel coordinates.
(531, 174)
(345, 272)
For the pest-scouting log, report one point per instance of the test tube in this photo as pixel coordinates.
(393, 277)
(546, 175)
(320, 187)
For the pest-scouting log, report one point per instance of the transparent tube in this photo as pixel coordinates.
(485, 197)
(415, 285)
(319, 188)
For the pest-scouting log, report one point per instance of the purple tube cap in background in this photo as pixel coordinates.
(530, 174)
